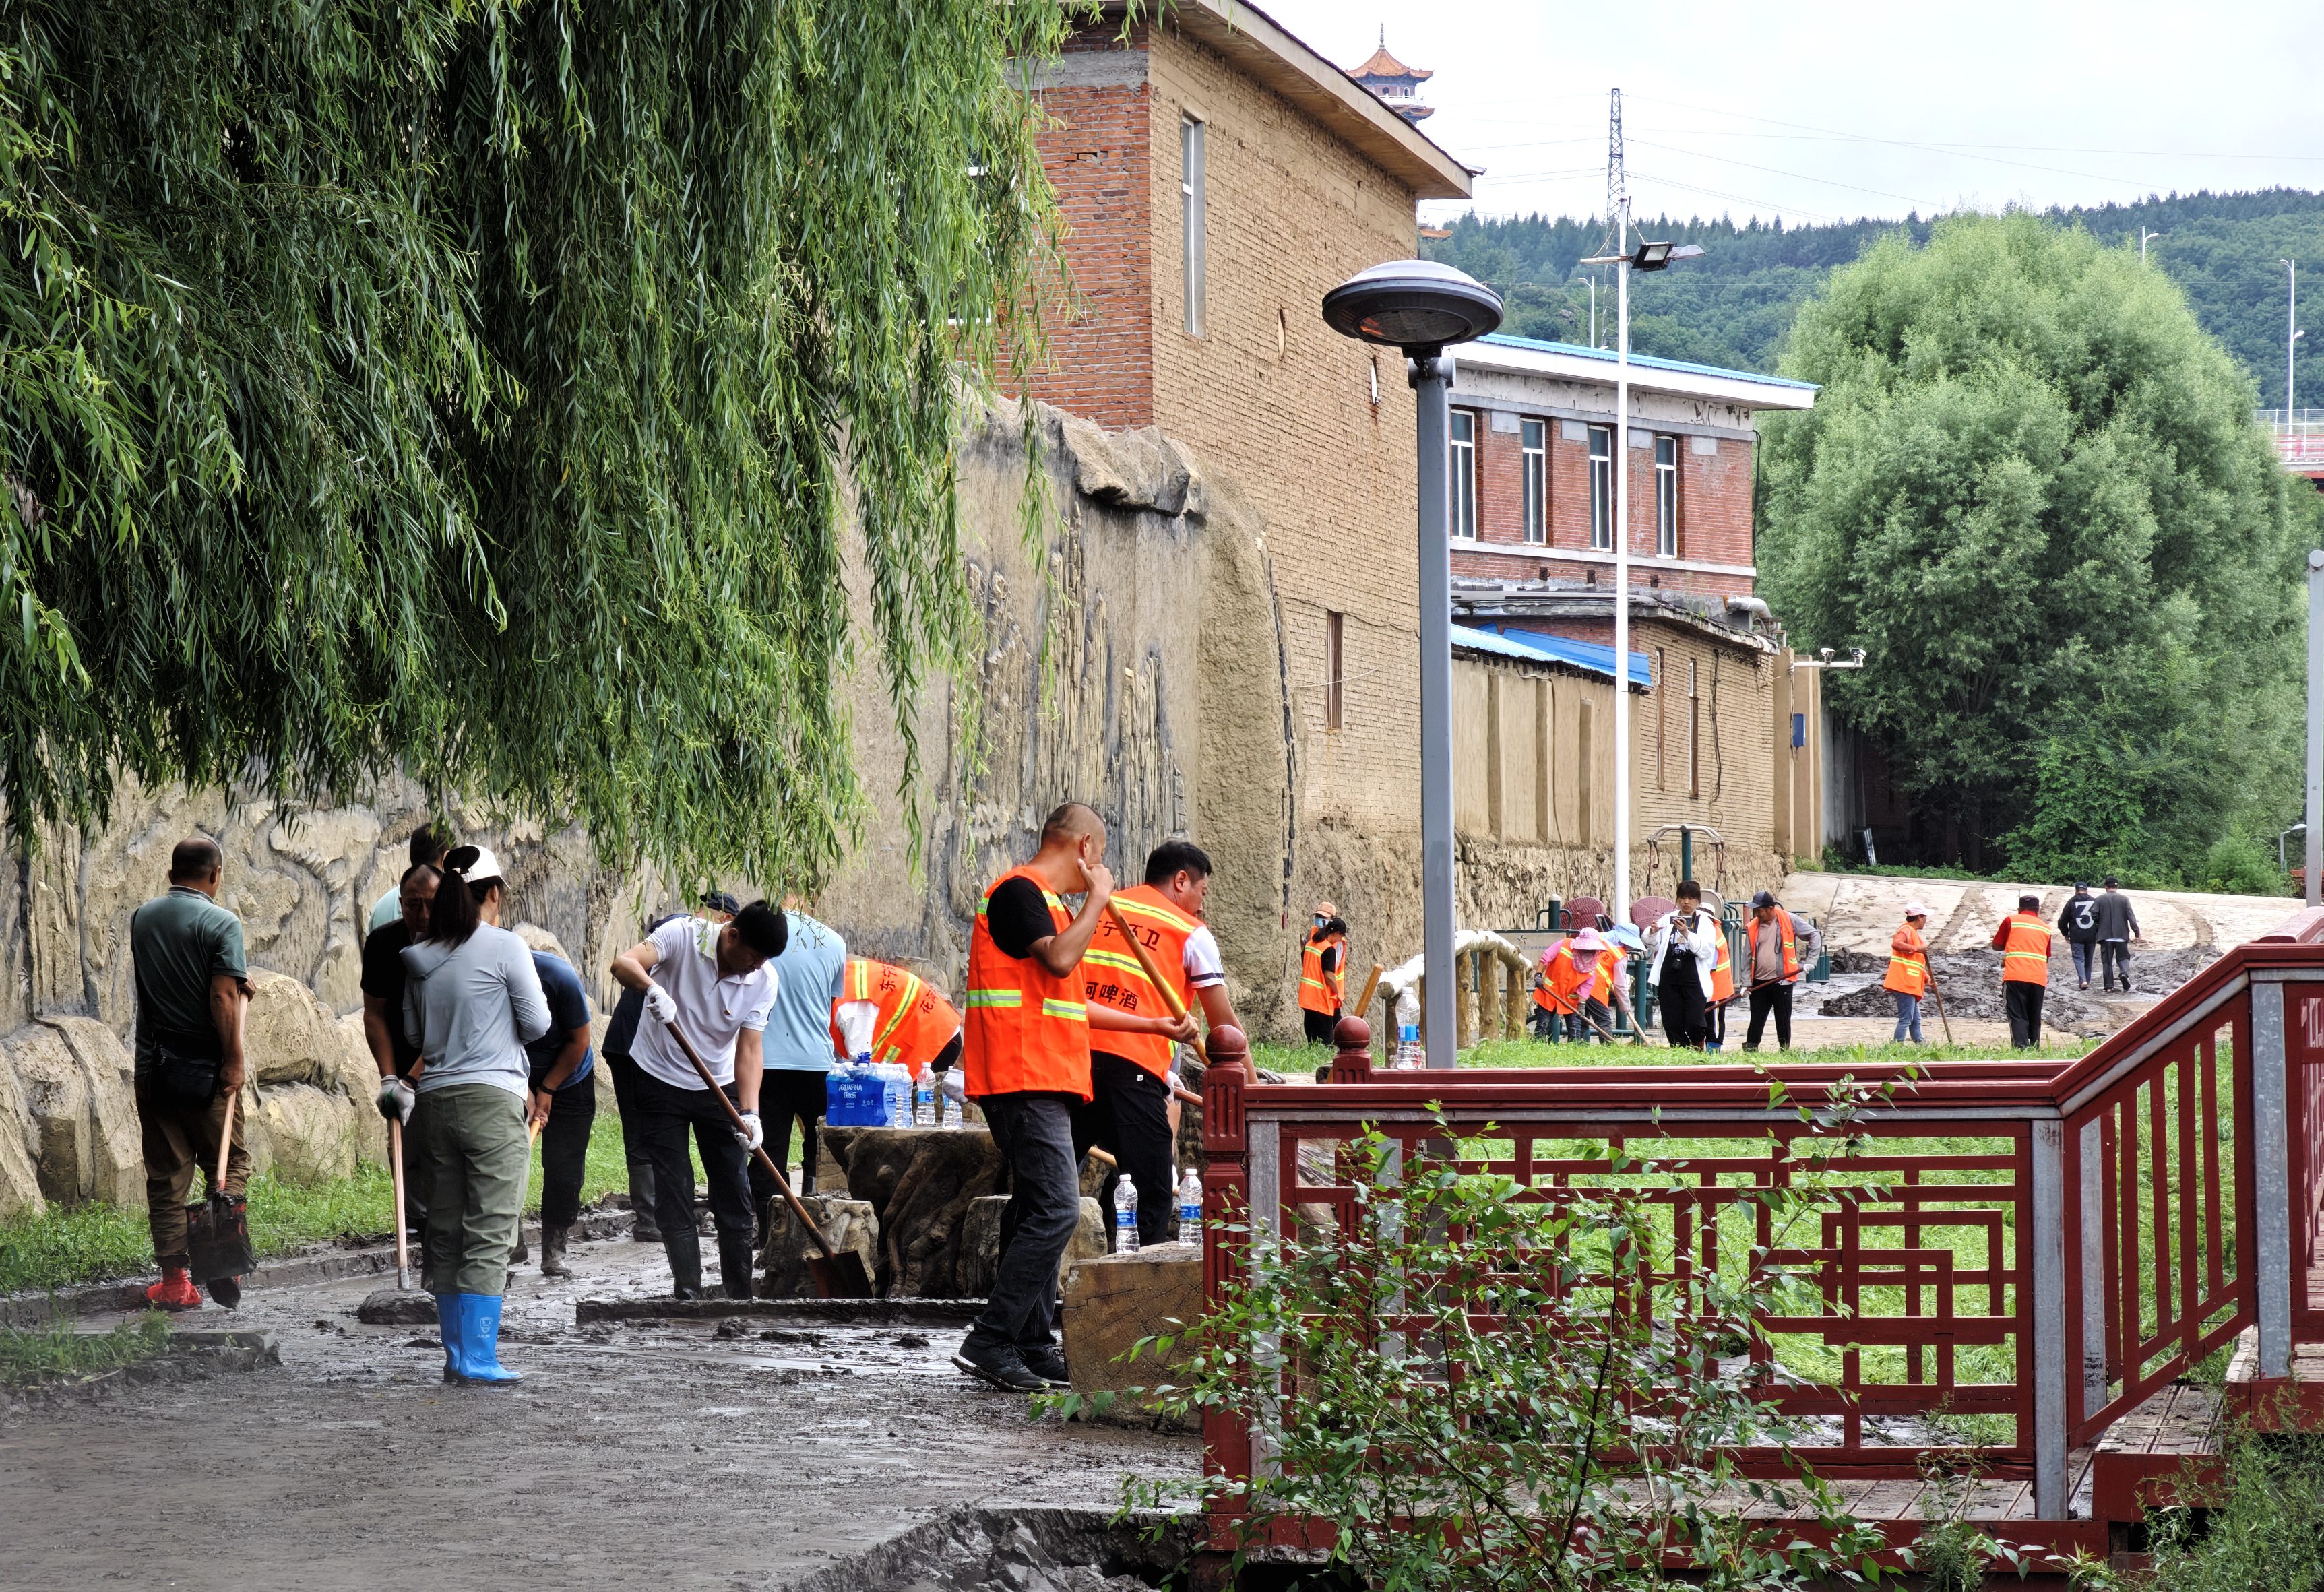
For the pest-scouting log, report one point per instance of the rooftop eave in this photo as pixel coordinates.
(1745, 388)
(1513, 605)
(1271, 55)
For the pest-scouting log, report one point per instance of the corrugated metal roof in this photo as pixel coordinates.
(1539, 647)
(1645, 361)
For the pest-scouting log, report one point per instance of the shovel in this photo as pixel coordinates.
(836, 1276)
(402, 1237)
(1177, 1007)
(1930, 967)
(217, 1230)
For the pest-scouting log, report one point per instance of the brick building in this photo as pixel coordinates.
(1533, 463)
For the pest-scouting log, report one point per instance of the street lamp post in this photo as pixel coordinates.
(1648, 256)
(1422, 308)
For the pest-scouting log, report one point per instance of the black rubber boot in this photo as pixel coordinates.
(734, 1264)
(685, 1252)
(644, 1228)
(552, 1252)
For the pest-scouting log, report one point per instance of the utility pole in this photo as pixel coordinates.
(2313, 886)
(2290, 335)
(1617, 210)
(2144, 235)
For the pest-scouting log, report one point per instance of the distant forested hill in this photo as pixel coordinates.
(1734, 306)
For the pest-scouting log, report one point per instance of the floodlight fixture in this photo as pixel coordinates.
(1416, 305)
(1658, 256)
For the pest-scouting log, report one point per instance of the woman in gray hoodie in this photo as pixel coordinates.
(471, 1000)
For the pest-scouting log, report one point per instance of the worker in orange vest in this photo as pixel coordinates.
(1134, 1040)
(1324, 974)
(1908, 972)
(2024, 941)
(1779, 948)
(1723, 992)
(1580, 984)
(894, 1016)
(1025, 1053)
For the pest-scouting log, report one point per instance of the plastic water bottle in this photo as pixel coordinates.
(899, 1095)
(1190, 1207)
(1125, 1218)
(923, 1100)
(1408, 1047)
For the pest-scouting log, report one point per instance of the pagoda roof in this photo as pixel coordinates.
(1384, 65)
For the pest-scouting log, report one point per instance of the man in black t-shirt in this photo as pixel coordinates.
(383, 1006)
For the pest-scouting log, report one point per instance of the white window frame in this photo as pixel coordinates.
(1532, 450)
(1461, 466)
(1666, 496)
(1193, 205)
(1602, 488)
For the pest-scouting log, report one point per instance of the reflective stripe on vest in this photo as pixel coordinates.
(1026, 1029)
(1111, 974)
(1908, 973)
(1723, 971)
(2026, 953)
(1566, 979)
(1319, 990)
(913, 1022)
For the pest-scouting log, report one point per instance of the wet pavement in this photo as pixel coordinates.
(741, 1454)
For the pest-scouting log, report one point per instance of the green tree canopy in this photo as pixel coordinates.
(469, 386)
(2031, 490)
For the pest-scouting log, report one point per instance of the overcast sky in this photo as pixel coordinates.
(1818, 110)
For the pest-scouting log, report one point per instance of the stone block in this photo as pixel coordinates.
(117, 1169)
(847, 1224)
(1114, 1301)
(980, 1243)
(355, 1075)
(307, 1136)
(920, 1182)
(20, 1178)
(285, 1032)
(82, 1142)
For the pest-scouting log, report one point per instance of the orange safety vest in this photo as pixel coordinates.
(1027, 1029)
(2025, 954)
(1722, 971)
(1564, 992)
(1112, 976)
(1320, 991)
(1790, 943)
(1908, 963)
(914, 1022)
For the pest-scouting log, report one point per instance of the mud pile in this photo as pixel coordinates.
(1970, 984)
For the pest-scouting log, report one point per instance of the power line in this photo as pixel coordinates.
(1773, 171)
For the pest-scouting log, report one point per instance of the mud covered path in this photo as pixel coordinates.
(656, 1454)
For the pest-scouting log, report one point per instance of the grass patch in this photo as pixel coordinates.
(1300, 1060)
(31, 1355)
(2261, 1533)
(63, 1248)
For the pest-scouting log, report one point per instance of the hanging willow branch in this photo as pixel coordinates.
(468, 386)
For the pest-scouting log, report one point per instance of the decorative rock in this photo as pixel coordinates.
(980, 1242)
(847, 1224)
(283, 1032)
(84, 1141)
(1114, 1301)
(357, 1076)
(397, 1307)
(304, 1135)
(920, 1182)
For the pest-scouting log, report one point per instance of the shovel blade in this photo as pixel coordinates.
(217, 1238)
(840, 1275)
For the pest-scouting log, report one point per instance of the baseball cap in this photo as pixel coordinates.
(721, 901)
(1326, 909)
(1916, 909)
(472, 864)
(1764, 898)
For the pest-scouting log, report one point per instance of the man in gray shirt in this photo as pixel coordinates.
(2117, 926)
(809, 975)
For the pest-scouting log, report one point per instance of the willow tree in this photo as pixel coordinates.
(481, 388)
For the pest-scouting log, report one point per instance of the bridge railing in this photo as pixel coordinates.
(1985, 1263)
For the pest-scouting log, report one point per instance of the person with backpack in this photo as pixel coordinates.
(2077, 921)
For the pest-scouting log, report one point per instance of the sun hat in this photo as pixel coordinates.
(1588, 939)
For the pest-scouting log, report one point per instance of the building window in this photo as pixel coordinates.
(1693, 736)
(1533, 436)
(1335, 668)
(1192, 202)
(1463, 465)
(1666, 496)
(1602, 488)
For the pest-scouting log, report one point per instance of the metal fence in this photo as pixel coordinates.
(2299, 437)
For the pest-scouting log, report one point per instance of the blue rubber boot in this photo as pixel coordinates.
(480, 1337)
(447, 1327)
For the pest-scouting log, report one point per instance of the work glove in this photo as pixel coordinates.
(395, 1099)
(751, 1133)
(955, 1085)
(660, 1004)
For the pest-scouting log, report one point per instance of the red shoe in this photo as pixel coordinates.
(175, 1290)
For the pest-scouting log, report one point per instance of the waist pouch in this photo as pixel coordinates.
(186, 1075)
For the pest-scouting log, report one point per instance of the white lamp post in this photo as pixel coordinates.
(1422, 308)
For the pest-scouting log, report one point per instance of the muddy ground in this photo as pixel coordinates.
(1970, 982)
(633, 1455)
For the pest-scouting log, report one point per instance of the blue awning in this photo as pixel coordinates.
(1540, 646)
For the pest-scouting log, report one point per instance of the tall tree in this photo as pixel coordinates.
(469, 386)
(2033, 490)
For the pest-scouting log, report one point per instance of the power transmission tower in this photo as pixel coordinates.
(1616, 238)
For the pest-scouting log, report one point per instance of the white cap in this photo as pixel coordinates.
(1916, 909)
(483, 865)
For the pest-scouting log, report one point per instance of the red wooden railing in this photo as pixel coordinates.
(1993, 1224)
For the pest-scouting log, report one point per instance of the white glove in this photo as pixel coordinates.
(955, 1085)
(395, 1099)
(660, 1004)
(752, 1136)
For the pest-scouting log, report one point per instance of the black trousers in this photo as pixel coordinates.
(787, 1094)
(1319, 1025)
(1034, 1133)
(2115, 954)
(1680, 995)
(625, 1086)
(666, 1115)
(565, 1152)
(1130, 1119)
(2023, 1002)
(1766, 998)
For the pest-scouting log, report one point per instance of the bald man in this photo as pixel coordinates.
(1025, 1057)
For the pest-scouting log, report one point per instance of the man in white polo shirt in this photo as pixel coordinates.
(711, 980)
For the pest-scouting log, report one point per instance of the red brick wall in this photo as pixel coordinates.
(1098, 155)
